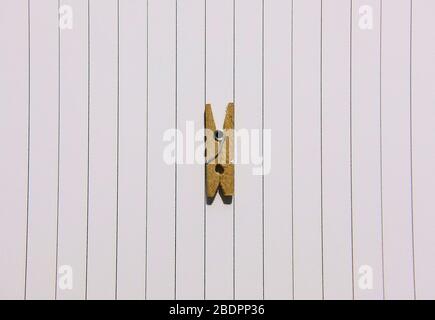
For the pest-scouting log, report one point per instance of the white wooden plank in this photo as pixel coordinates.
(396, 150)
(366, 173)
(14, 95)
(219, 235)
(132, 149)
(43, 171)
(161, 175)
(248, 180)
(423, 143)
(73, 152)
(190, 174)
(307, 151)
(278, 245)
(103, 122)
(337, 224)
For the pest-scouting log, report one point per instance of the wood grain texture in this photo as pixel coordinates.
(219, 154)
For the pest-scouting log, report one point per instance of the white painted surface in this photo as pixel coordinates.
(366, 157)
(190, 196)
(307, 207)
(73, 150)
(103, 144)
(396, 147)
(132, 149)
(423, 140)
(43, 149)
(248, 98)
(278, 196)
(161, 176)
(14, 100)
(337, 222)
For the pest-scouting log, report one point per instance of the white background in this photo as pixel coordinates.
(82, 177)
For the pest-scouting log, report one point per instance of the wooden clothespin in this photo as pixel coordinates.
(219, 153)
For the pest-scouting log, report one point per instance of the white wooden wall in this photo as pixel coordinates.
(83, 183)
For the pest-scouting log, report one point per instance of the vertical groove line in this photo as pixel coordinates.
(28, 156)
(117, 151)
(321, 148)
(88, 151)
(291, 151)
(381, 149)
(411, 145)
(176, 149)
(205, 195)
(58, 153)
(147, 157)
(234, 119)
(351, 145)
(262, 145)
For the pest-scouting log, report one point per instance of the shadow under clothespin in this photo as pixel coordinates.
(219, 156)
